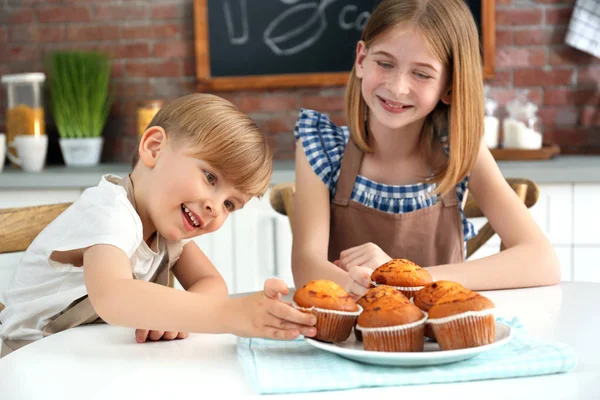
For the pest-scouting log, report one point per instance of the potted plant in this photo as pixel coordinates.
(79, 91)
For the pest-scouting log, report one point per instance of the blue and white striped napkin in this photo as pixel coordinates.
(296, 367)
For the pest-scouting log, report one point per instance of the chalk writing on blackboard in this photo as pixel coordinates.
(285, 43)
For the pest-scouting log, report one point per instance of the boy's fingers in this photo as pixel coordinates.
(274, 288)
(170, 335)
(141, 335)
(156, 335)
(281, 334)
(281, 324)
(285, 312)
(182, 335)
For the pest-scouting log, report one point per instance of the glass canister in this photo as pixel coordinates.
(24, 102)
(522, 129)
(491, 122)
(145, 112)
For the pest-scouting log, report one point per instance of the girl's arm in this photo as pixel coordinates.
(120, 300)
(311, 227)
(196, 273)
(528, 260)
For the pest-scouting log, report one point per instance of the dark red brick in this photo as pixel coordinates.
(519, 16)
(542, 77)
(63, 14)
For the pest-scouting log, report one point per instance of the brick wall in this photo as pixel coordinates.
(151, 44)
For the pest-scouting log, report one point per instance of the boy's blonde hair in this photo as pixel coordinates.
(217, 132)
(451, 34)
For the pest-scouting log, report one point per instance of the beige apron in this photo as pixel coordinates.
(429, 236)
(81, 312)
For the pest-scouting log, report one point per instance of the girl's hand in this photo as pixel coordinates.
(265, 315)
(359, 282)
(367, 255)
(142, 334)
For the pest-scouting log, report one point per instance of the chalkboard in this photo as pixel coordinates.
(244, 44)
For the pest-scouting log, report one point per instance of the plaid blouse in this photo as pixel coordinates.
(324, 144)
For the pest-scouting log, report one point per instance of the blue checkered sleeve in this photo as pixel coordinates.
(324, 144)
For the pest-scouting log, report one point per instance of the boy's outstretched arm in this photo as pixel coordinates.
(120, 300)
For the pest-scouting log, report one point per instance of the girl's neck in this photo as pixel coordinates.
(391, 145)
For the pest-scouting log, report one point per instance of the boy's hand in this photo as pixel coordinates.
(142, 334)
(367, 255)
(265, 315)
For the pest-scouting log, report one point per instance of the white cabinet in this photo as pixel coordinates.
(565, 258)
(586, 208)
(587, 264)
(554, 213)
(262, 240)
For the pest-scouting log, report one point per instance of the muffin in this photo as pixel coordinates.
(403, 275)
(335, 310)
(463, 319)
(431, 294)
(392, 325)
(373, 294)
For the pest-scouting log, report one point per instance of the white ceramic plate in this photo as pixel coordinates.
(432, 355)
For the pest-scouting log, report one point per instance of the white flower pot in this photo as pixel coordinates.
(81, 152)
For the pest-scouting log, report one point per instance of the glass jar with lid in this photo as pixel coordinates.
(522, 128)
(24, 105)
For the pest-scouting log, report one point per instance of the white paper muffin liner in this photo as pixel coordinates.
(408, 291)
(332, 325)
(399, 338)
(464, 330)
(465, 314)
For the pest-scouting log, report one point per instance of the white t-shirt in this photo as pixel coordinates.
(41, 287)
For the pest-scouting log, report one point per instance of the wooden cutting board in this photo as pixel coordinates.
(546, 152)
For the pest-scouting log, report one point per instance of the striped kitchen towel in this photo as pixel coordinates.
(296, 367)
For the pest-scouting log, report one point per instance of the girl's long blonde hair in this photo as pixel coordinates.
(216, 131)
(450, 31)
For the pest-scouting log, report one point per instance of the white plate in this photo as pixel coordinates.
(432, 355)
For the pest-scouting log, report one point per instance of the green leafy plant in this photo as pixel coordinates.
(79, 92)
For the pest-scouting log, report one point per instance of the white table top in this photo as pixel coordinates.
(104, 362)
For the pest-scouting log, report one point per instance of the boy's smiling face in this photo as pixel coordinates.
(183, 196)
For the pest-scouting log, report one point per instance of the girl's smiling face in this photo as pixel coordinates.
(401, 79)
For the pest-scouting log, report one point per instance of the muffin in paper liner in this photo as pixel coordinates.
(332, 325)
(408, 291)
(398, 338)
(464, 330)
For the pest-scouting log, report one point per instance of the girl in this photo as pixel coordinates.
(200, 160)
(392, 183)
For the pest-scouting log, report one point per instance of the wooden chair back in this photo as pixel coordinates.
(19, 226)
(282, 201)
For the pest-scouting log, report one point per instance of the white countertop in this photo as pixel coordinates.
(104, 362)
(557, 170)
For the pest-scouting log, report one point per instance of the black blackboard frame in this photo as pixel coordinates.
(207, 83)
